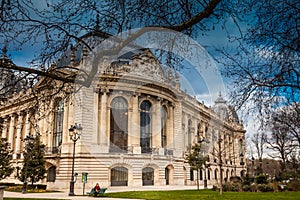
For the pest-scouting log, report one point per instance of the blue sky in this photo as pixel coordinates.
(198, 83)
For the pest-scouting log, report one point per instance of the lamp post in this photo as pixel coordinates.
(27, 139)
(260, 165)
(205, 167)
(201, 140)
(253, 159)
(74, 133)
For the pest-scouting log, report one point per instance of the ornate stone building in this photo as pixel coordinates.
(137, 125)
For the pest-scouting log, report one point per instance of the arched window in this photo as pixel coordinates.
(163, 126)
(227, 174)
(216, 174)
(118, 125)
(191, 174)
(213, 136)
(148, 176)
(240, 146)
(51, 174)
(189, 136)
(145, 126)
(242, 173)
(199, 132)
(58, 124)
(119, 176)
(201, 174)
(208, 174)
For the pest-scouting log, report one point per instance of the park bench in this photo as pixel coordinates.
(101, 193)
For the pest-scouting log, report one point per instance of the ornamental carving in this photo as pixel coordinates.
(143, 65)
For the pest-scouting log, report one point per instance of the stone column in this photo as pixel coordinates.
(170, 128)
(95, 117)
(178, 130)
(4, 130)
(65, 122)
(11, 131)
(19, 131)
(156, 125)
(71, 115)
(27, 124)
(134, 134)
(50, 125)
(27, 128)
(103, 119)
(41, 126)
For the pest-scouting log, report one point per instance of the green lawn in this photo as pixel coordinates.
(196, 195)
(28, 199)
(204, 195)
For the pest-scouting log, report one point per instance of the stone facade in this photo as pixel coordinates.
(137, 127)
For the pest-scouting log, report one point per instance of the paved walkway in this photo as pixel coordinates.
(64, 194)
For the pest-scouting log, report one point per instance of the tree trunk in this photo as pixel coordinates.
(221, 180)
(197, 179)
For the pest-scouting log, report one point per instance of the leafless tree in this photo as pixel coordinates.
(56, 26)
(259, 141)
(265, 65)
(289, 118)
(218, 153)
(284, 138)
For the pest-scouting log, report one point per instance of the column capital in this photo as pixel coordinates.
(136, 94)
(5, 118)
(21, 113)
(96, 90)
(20, 120)
(104, 90)
(28, 111)
(159, 99)
(12, 115)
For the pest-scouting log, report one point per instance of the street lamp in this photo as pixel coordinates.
(74, 133)
(253, 159)
(201, 140)
(260, 165)
(27, 139)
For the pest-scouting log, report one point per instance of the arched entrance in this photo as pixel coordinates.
(119, 176)
(148, 176)
(118, 125)
(169, 170)
(167, 176)
(51, 174)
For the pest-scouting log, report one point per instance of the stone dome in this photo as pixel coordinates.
(224, 110)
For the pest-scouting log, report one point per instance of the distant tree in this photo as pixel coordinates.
(288, 118)
(34, 161)
(5, 159)
(218, 152)
(293, 166)
(265, 65)
(271, 167)
(56, 29)
(260, 140)
(284, 138)
(57, 25)
(196, 159)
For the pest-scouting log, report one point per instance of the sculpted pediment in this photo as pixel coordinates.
(143, 65)
(147, 66)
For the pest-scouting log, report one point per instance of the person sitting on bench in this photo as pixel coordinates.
(96, 189)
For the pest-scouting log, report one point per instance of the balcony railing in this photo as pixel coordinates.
(52, 150)
(118, 149)
(168, 152)
(144, 150)
(147, 150)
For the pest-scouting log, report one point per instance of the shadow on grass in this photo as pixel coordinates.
(204, 195)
